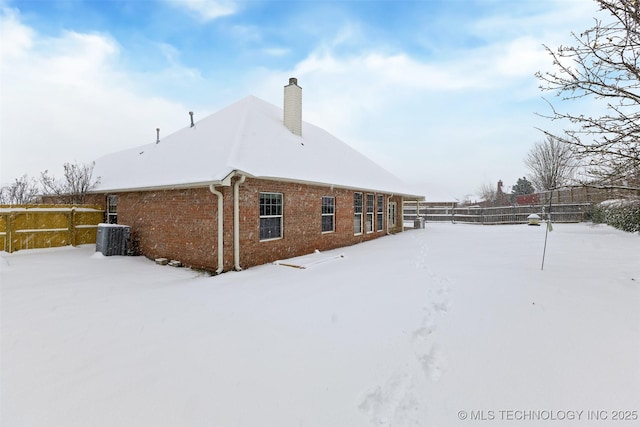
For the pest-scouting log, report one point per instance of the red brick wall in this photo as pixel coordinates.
(302, 221)
(175, 224)
(528, 199)
(183, 224)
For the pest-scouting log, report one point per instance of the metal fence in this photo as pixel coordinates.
(567, 212)
(46, 226)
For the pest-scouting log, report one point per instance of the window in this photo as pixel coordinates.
(380, 213)
(328, 214)
(393, 208)
(357, 213)
(270, 216)
(370, 210)
(112, 209)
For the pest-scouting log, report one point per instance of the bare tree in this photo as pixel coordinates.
(487, 193)
(23, 191)
(603, 66)
(78, 180)
(552, 164)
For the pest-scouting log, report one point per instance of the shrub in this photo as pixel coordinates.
(621, 214)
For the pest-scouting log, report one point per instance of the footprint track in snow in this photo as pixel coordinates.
(432, 362)
(395, 402)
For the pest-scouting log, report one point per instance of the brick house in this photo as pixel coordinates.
(247, 185)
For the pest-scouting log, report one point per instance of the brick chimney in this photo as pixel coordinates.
(293, 106)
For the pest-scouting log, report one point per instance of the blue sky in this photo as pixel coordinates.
(441, 93)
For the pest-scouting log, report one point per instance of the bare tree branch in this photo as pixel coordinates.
(78, 180)
(551, 164)
(487, 192)
(22, 192)
(603, 65)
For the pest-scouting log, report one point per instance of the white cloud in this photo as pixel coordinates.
(277, 51)
(246, 33)
(65, 99)
(21, 37)
(174, 70)
(206, 10)
(454, 122)
(550, 19)
(348, 88)
(521, 57)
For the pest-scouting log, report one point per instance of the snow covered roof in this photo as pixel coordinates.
(249, 137)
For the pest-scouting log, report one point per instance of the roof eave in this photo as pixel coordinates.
(198, 184)
(227, 180)
(341, 186)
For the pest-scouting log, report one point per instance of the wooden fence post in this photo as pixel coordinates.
(5, 246)
(72, 228)
(9, 236)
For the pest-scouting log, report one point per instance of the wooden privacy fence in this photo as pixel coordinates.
(568, 212)
(572, 195)
(46, 226)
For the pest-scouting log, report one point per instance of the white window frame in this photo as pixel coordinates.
(112, 209)
(358, 226)
(380, 213)
(370, 210)
(331, 214)
(393, 214)
(271, 215)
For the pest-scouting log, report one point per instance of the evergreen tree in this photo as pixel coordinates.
(522, 187)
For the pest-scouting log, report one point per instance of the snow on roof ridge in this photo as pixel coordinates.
(250, 99)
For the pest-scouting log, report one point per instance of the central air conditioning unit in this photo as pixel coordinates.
(113, 239)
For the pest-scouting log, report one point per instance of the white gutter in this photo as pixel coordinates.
(225, 182)
(343, 187)
(220, 268)
(236, 222)
(157, 187)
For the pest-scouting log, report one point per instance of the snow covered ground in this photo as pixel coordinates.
(446, 326)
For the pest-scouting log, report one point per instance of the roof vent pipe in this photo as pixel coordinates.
(157, 135)
(191, 114)
(293, 106)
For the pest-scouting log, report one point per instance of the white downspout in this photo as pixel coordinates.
(236, 222)
(220, 268)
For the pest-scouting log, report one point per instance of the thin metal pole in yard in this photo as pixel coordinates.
(546, 233)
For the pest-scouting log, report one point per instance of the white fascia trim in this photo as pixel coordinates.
(226, 182)
(342, 187)
(157, 187)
